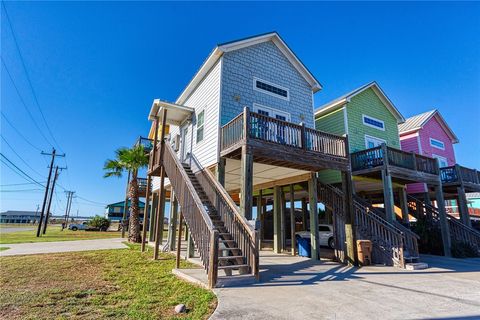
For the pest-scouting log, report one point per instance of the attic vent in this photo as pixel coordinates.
(271, 89)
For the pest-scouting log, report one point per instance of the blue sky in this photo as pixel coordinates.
(96, 67)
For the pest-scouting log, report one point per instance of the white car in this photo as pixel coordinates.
(325, 233)
(77, 226)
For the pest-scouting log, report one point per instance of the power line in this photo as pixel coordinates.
(20, 190)
(25, 162)
(95, 202)
(28, 76)
(23, 101)
(19, 133)
(18, 184)
(27, 177)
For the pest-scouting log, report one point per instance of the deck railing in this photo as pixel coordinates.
(196, 217)
(241, 231)
(146, 143)
(375, 157)
(260, 127)
(459, 174)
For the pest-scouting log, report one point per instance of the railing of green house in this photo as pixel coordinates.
(374, 157)
(263, 128)
(204, 234)
(458, 174)
(146, 143)
(241, 231)
(459, 232)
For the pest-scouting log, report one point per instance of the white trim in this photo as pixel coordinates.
(371, 125)
(274, 111)
(372, 138)
(220, 108)
(345, 119)
(202, 127)
(420, 151)
(437, 147)
(255, 79)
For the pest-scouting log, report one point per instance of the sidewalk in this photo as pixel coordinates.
(62, 246)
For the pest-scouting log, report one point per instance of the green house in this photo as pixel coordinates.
(366, 115)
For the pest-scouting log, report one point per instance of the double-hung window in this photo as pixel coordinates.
(373, 123)
(200, 126)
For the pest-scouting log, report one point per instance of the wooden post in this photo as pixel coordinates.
(153, 214)
(304, 214)
(463, 206)
(445, 229)
(172, 223)
(313, 201)
(402, 193)
(292, 219)
(282, 220)
(303, 136)
(179, 241)
(246, 183)
(260, 217)
(146, 212)
(350, 236)
(213, 260)
(161, 208)
(277, 240)
(387, 187)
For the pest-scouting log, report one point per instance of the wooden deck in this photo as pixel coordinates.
(281, 143)
(404, 167)
(457, 176)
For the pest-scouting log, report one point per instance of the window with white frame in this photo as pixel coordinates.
(271, 112)
(200, 126)
(271, 89)
(374, 123)
(437, 144)
(372, 142)
(442, 161)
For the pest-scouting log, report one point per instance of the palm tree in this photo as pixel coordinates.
(131, 160)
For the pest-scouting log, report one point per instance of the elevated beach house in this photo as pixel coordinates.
(429, 134)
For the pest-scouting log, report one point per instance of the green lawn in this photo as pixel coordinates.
(4, 248)
(116, 284)
(54, 233)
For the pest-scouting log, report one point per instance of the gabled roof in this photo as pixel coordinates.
(341, 101)
(220, 49)
(417, 122)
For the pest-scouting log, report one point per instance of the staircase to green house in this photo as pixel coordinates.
(392, 243)
(428, 223)
(226, 243)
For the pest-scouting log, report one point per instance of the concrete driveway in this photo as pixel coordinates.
(296, 288)
(62, 246)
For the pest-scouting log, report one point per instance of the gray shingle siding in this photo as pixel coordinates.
(266, 62)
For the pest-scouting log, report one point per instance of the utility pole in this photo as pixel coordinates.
(50, 199)
(46, 193)
(67, 207)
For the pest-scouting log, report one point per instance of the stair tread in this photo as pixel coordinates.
(234, 266)
(230, 257)
(225, 249)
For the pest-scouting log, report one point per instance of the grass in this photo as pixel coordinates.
(116, 284)
(4, 248)
(54, 233)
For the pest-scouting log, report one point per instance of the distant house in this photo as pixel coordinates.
(114, 211)
(12, 216)
(428, 134)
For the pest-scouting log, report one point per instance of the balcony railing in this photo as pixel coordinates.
(375, 157)
(147, 143)
(459, 174)
(267, 129)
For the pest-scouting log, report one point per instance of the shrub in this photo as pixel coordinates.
(99, 222)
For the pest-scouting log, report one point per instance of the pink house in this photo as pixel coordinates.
(428, 134)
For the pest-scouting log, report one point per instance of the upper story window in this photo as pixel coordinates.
(437, 144)
(374, 123)
(200, 125)
(271, 89)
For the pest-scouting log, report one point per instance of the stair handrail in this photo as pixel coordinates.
(230, 215)
(204, 234)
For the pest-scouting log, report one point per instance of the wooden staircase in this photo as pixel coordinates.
(393, 244)
(222, 237)
(429, 215)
